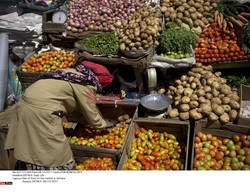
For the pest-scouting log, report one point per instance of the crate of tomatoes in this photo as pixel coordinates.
(42, 62)
(220, 147)
(109, 141)
(156, 144)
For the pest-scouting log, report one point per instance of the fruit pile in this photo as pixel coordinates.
(212, 153)
(96, 164)
(106, 138)
(49, 61)
(154, 151)
(216, 45)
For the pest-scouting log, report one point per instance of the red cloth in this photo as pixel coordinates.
(100, 71)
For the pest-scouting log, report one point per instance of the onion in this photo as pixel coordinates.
(92, 13)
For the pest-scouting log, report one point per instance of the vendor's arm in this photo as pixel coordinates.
(85, 96)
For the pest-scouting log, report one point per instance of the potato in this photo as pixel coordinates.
(224, 118)
(183, 78)
(207, 89)
(161, 91)
(209, 96)
(128, 121)
(196, 80)
(233, 115)
(218, 110)
(188, 92)
(216, 86)
(216, 100)
(203, 82)
(177, 98)
(193, 85)
(195, 115)
(215, 93)
(234, 104)
(201, 92)
(184, 115)
(190, 73)
(234, 97)
(202, 100)
(173, 113)
(180, 91)
(197, 75)
(121, 119)
(227, 108)
(194, 97)
(118, 125)
(193, 104)
(185, 99)
(184, 108)
(193, 16)
(209, 81)
(225, 100)
(221, 96)
(206, 109)
(186, 13)
(218, 74)
(178, 82)
(212, 117)
(125, 116)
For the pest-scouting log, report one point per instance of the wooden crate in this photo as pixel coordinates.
(81, 155)
(112, 111)
(218, 130)
(180, 129)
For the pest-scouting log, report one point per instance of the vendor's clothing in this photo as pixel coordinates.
(36, 131)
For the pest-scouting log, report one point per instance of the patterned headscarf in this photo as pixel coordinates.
(87, 77)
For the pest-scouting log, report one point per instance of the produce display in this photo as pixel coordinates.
(246, 38)
(202, 93)
(96, 164)
(195, 13)
(154, 151)
(245, 112)
(175, 42)
(107, 43)
(212, 153)
(141, 30)
(106, 138)
(232, 13)
(95, 15)
(218, 45)
(49, 61)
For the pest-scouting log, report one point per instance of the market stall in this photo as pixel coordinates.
(191, 56)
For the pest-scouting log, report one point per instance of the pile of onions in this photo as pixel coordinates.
(99, 15)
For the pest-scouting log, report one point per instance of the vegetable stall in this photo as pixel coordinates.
(194, 52)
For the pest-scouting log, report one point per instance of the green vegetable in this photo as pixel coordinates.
(107, 43)
(246, 38)
(236, 80)
(176, 39)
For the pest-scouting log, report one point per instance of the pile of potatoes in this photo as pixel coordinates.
(195, 13)
(202, 93)
(141, 30)
(123, 120)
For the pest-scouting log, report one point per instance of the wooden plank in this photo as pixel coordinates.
(232, 65)
(218, 130)
(181, 131)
